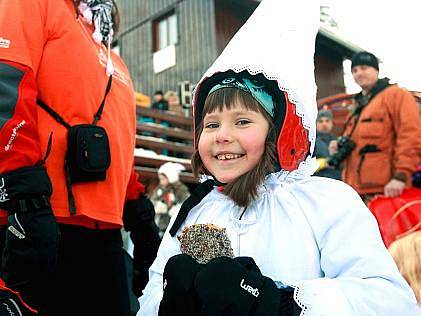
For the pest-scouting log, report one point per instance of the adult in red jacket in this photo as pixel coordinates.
(63, 248)
(385, 130)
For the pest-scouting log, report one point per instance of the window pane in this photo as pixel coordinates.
(173, 30)
(163, 34)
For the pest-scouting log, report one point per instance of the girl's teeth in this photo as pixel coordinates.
(228, 156)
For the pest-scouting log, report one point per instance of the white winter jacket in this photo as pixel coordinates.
(315, 235)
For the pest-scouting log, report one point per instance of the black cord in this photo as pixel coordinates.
(241, 216)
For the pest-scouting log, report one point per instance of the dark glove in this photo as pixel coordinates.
(179, 297)
(12, 304)
(236, 287)
(139, 219)
(31, 247)
(32, 235)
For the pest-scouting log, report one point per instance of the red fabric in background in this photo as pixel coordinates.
(398, 216)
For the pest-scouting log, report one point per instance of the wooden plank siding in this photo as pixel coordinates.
(174, 118)
(195, 50)
(329, 74)
(204, 28)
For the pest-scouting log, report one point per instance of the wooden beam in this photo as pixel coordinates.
(159, 143)
(162, 130)
(166, 116)
(147, 172)
(143, 161)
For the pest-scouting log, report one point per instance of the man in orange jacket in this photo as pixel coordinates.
(382, 136)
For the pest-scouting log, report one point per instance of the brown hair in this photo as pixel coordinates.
(244, 188)
(115, 13)
(406, 252)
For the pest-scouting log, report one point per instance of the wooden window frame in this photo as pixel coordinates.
(155, 29)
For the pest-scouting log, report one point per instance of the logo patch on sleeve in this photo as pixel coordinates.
(4, 42)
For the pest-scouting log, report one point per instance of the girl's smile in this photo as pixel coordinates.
(228, 156)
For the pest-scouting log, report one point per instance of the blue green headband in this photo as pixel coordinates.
(254, 87)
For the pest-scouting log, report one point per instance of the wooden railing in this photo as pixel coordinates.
(171, 117)
(168, 138)
(340, 105)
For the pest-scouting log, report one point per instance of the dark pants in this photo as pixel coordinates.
(90, 278)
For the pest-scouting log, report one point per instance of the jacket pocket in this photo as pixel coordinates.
(374, 169)
(371, 127)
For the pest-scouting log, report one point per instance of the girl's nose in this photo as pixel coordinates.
(224, 134)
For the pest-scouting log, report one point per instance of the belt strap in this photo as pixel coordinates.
(27, 205)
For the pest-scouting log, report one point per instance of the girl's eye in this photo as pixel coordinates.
(243, 122)
(211, 125)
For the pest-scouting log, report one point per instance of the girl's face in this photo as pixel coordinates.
(232, 142)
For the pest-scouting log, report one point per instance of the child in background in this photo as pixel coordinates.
(173, 102)
(407, 254)
(169, 195)
(303, 245)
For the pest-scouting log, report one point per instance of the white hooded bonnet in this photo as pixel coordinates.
(172, 171)
(278, 41)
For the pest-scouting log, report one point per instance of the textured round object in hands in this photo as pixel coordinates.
(204, 242)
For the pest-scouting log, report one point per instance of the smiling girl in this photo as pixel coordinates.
(302, 245)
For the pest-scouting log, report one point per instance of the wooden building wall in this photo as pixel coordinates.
(204, 27)
(230, 15)
(195, 51)
(328, 72)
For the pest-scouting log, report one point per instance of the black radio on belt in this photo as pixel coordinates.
(88, 149)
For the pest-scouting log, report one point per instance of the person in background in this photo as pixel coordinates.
(406, 252)
(169, 195)
(139, 221)
(324, 126)
(382, 136)
(158, 101)
(66, 163)
(175, 106)
(173, 101)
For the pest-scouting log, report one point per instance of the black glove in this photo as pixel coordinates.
(139, 219)
(31, 247)
(236, 287)
(12, 304)
(179, 296)
(32, 236)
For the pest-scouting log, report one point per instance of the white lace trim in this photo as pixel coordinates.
(304, 306)
(309, 165)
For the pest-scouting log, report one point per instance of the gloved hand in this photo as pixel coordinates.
(12, 304)
(179, 296)
(236, 287)
(139, 219)
(32, 235)
(31, 246)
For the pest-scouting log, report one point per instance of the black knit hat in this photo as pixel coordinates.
(364, 58)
